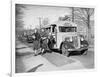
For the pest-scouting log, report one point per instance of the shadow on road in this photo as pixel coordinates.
(35, 68)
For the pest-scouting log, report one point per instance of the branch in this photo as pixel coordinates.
(82, 18)
(81, 12)
(92, 11)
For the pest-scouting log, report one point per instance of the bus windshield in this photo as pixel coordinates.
(67, 29)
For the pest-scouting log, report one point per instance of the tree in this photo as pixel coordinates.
(45, 21)
(84, 15)
(19, 15)
(72, 14)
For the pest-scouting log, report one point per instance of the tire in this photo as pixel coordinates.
(85, 53)
(64, 49)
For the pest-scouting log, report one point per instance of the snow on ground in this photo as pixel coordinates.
(31, 63)
(22, 48)
(26, 62)
(73, 66)
(19, 44)
(25, 50)
(63, 62)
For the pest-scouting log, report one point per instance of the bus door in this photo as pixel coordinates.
(54, 32)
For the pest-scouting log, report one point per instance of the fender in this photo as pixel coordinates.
(61, 45)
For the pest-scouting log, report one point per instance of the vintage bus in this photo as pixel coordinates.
(66, 36)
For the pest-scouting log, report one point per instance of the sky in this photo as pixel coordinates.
(33, 12)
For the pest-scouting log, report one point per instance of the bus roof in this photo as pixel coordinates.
(62, 23)
(65, 23)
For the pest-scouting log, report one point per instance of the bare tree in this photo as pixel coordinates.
(84, 15)
(45, 21)
(19, 15)
(72, 14)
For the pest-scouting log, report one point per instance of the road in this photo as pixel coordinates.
(27, 62)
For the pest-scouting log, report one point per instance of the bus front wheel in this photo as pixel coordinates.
(64, 49)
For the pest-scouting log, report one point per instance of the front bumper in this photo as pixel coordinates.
(78, 50)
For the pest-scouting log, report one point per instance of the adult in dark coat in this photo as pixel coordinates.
(36, 43)
(44, 40)
(51, 42)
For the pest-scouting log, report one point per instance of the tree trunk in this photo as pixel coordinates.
(89, 35)
(89, 29)
(72, 14)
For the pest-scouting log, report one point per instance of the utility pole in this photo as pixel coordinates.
(40, 21)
